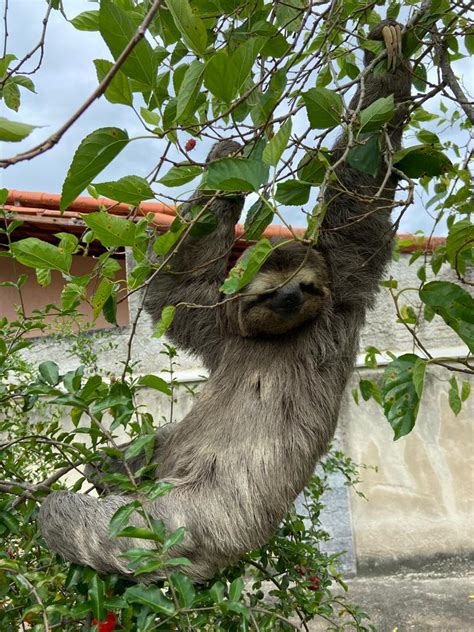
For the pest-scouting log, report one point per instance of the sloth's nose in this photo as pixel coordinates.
(288, 300)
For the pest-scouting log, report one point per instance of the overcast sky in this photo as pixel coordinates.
(64, 81)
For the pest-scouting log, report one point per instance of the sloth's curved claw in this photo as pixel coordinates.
(392, 37)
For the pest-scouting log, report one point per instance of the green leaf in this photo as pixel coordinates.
(275, 148)
(101, 295)
(460, 238)
(11, 96)
(247, 267)
(163, 243)
(94, 153)
(453, 396)
(454, 305)
(184, 589)
(96, 592)
(219, 76)
(469, 43)
(109, 308)
(377, 114)
(153, 381)
(138, 445)
(216, 592)
(118, 90)
(259, 216)
(323, 107)
(236, 174)
(293, 192)
(418, 376)
(117, 29)
(129, 189)
(235, 589)
(312, 167)
(420, 78)
(121, 517)
(366, 156)
(67, 242)
(13, 131)
(465, 391)
(111, 230)
(181, 174)
(43, 276)
(175, 538)
(189, 90)
(400, 398)
(86, 21)
(34, 253)
(421, 160)
(192, 29)
(167, 316)
(49, 371)
(152, 597)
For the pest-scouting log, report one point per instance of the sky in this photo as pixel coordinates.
(67, 77)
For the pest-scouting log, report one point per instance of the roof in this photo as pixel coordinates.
(42, 218)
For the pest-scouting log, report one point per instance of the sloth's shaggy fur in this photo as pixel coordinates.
(279, 358)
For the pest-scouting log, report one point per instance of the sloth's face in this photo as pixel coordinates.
(289, 290)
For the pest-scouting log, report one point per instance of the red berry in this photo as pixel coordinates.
(108, 625)
(190, 144)
(314, 583)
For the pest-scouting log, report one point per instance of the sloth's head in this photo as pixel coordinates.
(288, 291)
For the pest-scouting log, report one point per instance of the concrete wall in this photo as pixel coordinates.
(420, 498)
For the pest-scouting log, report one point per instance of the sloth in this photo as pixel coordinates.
(279, 355)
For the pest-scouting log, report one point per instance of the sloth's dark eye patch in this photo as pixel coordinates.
(310, 288)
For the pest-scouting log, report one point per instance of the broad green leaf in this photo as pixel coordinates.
(111, 230)
(236, 588)
(96, 592)
(121, 517)
(454, 305)
(49, 371)
(166, 318)
(138, 445)
(101, 295)
(184, 589)
(109, 308)
(117, 29)
(289, 14)
(175, 538)
(181, 174)
(13, 131)
(34, 253)
(163, 243)
(236, 174)
(153, 381)
(377, 114)
(366, 156)
(399, 394)
(71, 295)
(453, 396)
(11, 96)
(67, 242)
(275, 148)
(460, 238)
(43, 276)
(247, 267)
(129, 189)
(293, 192)
(420, 78)
(418, 376)
(219, 76)
(323, 107)
(152, 597)
(86, 21)
(421, 160)
(259, 216)
(189, 90)
(469, 42)
(192, 29)
(94, 153)
(119, 90)
(312, 167)
(216, 592)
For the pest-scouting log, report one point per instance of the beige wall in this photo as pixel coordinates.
(420, 498)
